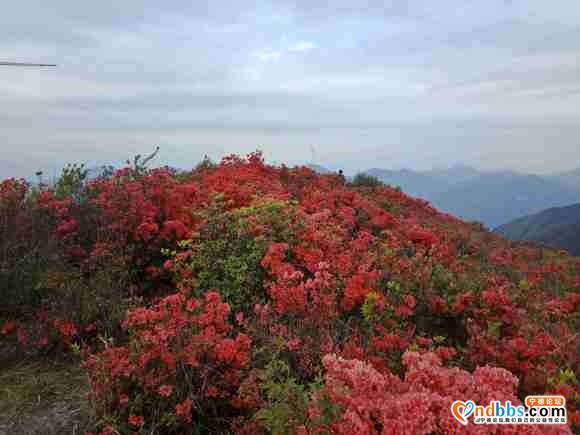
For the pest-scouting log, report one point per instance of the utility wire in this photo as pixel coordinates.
(26, 64)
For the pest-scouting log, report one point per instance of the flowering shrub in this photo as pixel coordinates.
(371, 402)
(22, 235)
(183, 362)
(257, 299)
(227, 251)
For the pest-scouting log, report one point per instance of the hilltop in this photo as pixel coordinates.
(241, 297)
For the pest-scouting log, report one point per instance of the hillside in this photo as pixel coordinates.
(247, 298)
(559, 227)
(493, 198)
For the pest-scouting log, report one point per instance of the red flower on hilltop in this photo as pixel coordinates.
(254, 289)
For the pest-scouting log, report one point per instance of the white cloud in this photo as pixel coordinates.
(303, 46)
(269, 56)
(398, 80)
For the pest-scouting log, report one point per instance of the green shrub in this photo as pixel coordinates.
(20, 288)
(286, 401)
(228, 252)
(71, 182)
(365, 180)
(26, 250)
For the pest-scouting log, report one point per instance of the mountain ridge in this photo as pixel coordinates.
(556, 226)
(493, 198)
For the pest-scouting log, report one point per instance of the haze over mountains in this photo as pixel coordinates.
(425, 184)
(498, 198)
(493, 198)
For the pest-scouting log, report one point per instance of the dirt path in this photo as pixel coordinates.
(45, 397)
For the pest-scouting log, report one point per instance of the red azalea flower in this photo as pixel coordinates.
(165, 390)
(136, 420)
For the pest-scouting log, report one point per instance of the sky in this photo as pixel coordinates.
(389, 84)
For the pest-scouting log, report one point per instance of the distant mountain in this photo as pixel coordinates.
(414, 183)
(425, 184)
(569, 179)
(497, 198)
(558, 227)
(492, 198)
(455, 174)
(319, 169)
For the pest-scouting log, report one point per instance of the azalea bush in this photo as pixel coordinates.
(24, 247)
(247, 298)
(182, 366)
(371, 402)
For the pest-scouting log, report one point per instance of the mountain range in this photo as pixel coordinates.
(558, 227)
(493, 198)
(497, 198)
(425, 184)
(570, 178)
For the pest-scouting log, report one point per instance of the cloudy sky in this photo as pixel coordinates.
(349, 84)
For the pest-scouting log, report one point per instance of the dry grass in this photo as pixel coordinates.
(44, 397)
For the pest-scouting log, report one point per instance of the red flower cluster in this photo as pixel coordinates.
(381, 403)
(242, 263)
(178, 338)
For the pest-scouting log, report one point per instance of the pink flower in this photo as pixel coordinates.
(165, 390)
(136, 420)
(294, 344)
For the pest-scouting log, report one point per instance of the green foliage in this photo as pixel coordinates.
(330, 412)
(442, 280)
(286, 401)
(20, 287)
(26, 252)
(227, 253)
(233, 266)
(369, 308)
(365, 180)
(395, 288)
(99, 297)
(71, 181)
(565, 377)
(206, 163)
(494, 329)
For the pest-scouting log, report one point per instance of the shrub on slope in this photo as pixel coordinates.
(251, 285)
